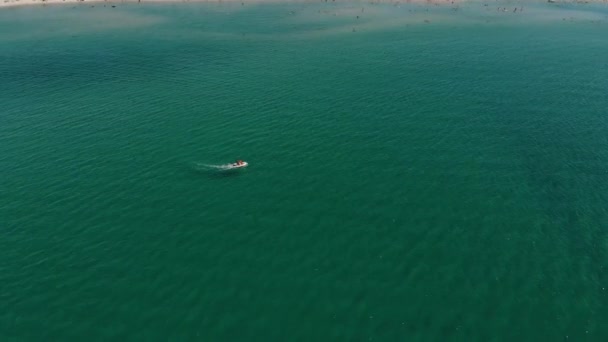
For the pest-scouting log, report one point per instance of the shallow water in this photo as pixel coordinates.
(440, 180)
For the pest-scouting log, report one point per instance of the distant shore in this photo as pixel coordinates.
(11, 3)
(14, 3)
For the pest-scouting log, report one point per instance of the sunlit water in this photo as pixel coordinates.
(413, 175)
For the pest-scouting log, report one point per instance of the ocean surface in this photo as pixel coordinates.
(417, 172)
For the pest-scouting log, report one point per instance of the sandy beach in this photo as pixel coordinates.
(7, 3)
(14, 3)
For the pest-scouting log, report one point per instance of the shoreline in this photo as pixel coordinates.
(20, 3)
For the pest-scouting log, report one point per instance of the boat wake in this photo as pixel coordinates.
(219, 168)
(216, 167)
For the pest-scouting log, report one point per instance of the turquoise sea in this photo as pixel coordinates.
(417, 172)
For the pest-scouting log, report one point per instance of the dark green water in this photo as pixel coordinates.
(408, 181)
